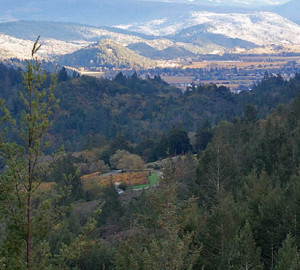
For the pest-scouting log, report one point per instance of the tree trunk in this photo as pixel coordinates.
(29, 232)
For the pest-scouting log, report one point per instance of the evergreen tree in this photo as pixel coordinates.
(222, 225)
(288, 256)
(62, 75)
(266, 208)
(27, 211)
(217, 168)
(243, 253)
(178, 141)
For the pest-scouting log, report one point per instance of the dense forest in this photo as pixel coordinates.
(228, 193)
(137, 109)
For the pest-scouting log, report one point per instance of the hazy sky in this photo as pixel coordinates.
(232, 2)
(259, 2)
(202, 2)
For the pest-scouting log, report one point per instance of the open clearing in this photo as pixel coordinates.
(153, 180)
(136, 180)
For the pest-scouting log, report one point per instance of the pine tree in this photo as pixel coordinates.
(243, 252)
(222, 225)
(26, 210)
(217, 169)
(288, 256)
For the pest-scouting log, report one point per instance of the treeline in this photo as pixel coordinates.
(139, 109)
(149, 116)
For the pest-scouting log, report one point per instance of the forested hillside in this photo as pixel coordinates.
(143, 109)
(228, 197)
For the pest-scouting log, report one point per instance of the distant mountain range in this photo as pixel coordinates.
(148, 40)
(113, 12)
(260, 28)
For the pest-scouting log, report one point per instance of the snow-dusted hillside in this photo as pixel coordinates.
(167, 38)
(261, 28)
(14, 47)
(11, 47)
(108, 54)
(16, 38)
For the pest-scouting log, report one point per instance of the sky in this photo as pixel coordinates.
(232, 2)
(81, 10)
(202, 2)
(250, 2)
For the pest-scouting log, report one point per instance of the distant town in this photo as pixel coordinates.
(237, 72)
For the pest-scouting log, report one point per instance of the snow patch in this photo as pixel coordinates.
(261, 28)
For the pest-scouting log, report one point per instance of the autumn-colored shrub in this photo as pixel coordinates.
(129, 178)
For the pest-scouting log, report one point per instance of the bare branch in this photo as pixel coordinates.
(35, 48)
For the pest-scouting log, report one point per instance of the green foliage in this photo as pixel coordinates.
(112, 210)
(203, 137)
(139, 109)
(222, 225)
(155, 250)
(131, 162)
(153, 181)
(96, 256)
(185, 176)
(288, 256)
(178, 142)
(69, 254)
(65, 173)
(28, 212)
(217, 169)
(244, 253)
(62, 75)
(116, 158)
(238, 201)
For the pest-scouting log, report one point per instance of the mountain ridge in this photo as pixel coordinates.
(106, 54)
(265, 26)
(164, 39)
(116, 12)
